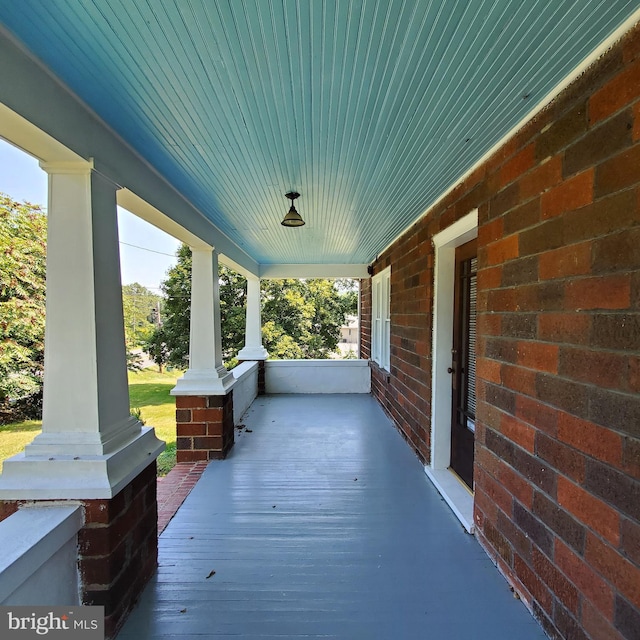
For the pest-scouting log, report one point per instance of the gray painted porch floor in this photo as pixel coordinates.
(322, 524)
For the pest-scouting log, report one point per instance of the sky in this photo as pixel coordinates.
(146, 253)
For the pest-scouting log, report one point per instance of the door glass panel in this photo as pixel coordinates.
(469, 367)
(463, 368)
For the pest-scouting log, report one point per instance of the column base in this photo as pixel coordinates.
(204, 382)
(204, 426)
(253, 353)
(69, 477)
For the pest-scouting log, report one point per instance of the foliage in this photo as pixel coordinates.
(233, 294)
(149, 395)
(157, 348)
(23, 229)
(140, 309)
(136, 412)
(170, 343)
(134, 361)
(300, 318)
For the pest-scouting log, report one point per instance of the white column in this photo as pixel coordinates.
(90, 445)
(253, 348)
(206, 374)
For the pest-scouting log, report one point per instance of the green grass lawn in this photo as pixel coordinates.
(14, 437)
(148, 391)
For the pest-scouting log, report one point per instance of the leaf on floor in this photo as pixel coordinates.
(248, 430)
(183, 611)
(211, 573)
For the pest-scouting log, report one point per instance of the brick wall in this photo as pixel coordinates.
(118, 548)
(557, 475)
(405, 393)
(204, 427)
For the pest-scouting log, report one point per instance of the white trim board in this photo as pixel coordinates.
(455, 495)
(445, 243)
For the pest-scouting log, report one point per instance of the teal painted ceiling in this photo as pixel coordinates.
(369, 108)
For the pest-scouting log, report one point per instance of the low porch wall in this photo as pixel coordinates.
(39, 562)
(245, 388)
(318, 376)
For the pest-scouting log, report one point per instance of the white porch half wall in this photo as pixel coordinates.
(245, 388)
(317, 376)
(39, 564)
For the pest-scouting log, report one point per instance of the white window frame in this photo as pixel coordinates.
(381, 318)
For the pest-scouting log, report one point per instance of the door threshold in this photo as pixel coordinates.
(455, 493)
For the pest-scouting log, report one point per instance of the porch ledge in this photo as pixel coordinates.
(245, 389)
(31, 539)
(318, 376)
(342, 364)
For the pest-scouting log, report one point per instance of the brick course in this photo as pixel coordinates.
(204, 427)
(117, 547)
(558, 419)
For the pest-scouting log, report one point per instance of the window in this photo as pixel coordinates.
(381, 318)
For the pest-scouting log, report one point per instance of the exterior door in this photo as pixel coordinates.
(463, 366)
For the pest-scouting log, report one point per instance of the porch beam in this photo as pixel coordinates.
(276, 271)
(74, 126)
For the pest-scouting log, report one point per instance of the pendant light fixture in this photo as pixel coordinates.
(292, 219)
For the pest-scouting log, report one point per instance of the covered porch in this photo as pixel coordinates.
(490, 147)
(322, 523)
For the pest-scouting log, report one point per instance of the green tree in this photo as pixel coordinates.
(300, 318)
(157, 348)
(177, 311)
(23, 230)
(233, 296)
(140, 308)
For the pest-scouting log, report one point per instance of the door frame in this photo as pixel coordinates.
(451, 488)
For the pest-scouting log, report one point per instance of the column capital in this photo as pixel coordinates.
(71, 167)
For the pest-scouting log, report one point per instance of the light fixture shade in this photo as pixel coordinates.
(293, 218)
